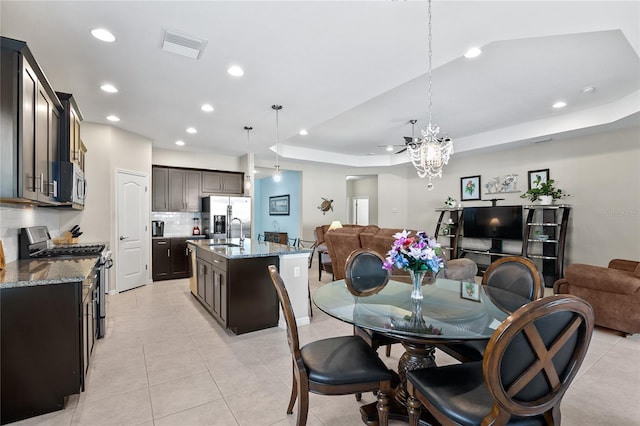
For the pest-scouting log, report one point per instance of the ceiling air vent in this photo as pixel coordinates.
(182, 44)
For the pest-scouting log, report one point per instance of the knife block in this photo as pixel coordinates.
(65, 238)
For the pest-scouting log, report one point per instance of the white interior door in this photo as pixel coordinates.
(360, 211)
(132, 204)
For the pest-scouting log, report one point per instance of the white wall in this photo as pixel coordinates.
(108, 149)
(600, 172)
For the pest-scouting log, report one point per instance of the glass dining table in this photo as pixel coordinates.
(450, 312)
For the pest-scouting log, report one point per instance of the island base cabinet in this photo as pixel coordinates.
(238, 293)
(252, 298)
(41, 353)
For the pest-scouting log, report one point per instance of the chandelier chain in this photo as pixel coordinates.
(430, 67)
(432, 152)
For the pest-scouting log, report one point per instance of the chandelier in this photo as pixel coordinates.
(247, 180)
(431, 153)
(277, 174)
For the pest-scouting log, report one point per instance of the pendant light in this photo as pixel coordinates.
(430, 154)
(247, 180)
(277, 174)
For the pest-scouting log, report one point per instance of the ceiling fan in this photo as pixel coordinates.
(407, 139)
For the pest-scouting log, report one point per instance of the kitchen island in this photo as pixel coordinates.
(232, 281)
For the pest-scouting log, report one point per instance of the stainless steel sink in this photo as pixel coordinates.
(223, 245)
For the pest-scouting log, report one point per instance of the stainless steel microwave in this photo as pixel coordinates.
(72, 183)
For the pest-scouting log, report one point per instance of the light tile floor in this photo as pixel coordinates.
(165, 362)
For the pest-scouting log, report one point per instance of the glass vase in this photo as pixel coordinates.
(416, 279)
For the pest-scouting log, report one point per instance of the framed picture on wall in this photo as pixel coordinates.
(470, 188)
(534, 175)
(279, 205)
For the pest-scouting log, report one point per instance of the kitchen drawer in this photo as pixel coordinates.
(219, 262)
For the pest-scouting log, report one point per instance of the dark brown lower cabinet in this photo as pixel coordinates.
(238, 293)
(170, 259)
(47, 333)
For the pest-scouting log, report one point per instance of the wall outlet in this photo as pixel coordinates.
(296, 271)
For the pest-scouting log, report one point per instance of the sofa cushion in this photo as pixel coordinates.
(340, 243)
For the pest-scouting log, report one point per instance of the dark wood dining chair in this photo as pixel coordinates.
(530, 361)
(364, 276)
(514, 274)
(333, 366)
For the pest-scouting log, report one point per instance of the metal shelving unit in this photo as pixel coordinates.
(552, 222)
(452, 223)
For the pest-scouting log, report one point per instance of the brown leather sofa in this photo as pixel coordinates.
(613, 292)
(324, 259)
(341, 242)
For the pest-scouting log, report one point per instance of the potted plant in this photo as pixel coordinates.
(544, 191)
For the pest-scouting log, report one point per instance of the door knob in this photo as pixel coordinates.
(123, 238)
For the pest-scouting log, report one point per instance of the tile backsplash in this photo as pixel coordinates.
(177, 224)
(14, 218)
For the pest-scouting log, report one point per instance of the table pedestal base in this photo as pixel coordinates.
(416, 356)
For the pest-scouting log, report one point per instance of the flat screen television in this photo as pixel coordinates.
(499, 222)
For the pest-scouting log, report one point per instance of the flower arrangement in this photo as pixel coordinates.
(417, 253)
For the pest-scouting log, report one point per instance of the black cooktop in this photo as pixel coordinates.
(71, 250)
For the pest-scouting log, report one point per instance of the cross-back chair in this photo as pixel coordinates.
(530, 361)
(364, 276)
(333, 366)
(514, 274)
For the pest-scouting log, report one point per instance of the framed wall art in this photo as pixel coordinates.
(543, 174)
(470, 188)
(279, 205)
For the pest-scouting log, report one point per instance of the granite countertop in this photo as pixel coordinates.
(250, 249)
(46, 271)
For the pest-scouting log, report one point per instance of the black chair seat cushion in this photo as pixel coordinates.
(343, 360)
(472, 350)
(460, 393)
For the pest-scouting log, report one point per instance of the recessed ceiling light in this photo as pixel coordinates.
(389, 148)
(303, 132)
(560, 104)
(104, 35)
(207, 108)
(110, 88)
(235, 71)
(473, 52)
(180, 143)
(113, 118)
(191, 130)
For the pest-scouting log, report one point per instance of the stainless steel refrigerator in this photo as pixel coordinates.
(217, 213)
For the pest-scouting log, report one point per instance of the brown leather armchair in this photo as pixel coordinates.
(613, 292)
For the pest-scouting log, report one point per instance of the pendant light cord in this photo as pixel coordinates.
(277, 108)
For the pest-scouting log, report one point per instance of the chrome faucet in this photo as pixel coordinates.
(241, 233)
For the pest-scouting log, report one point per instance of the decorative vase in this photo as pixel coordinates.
(545, 200)
(416, 279)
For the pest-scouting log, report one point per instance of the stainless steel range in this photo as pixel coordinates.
(35, 243)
